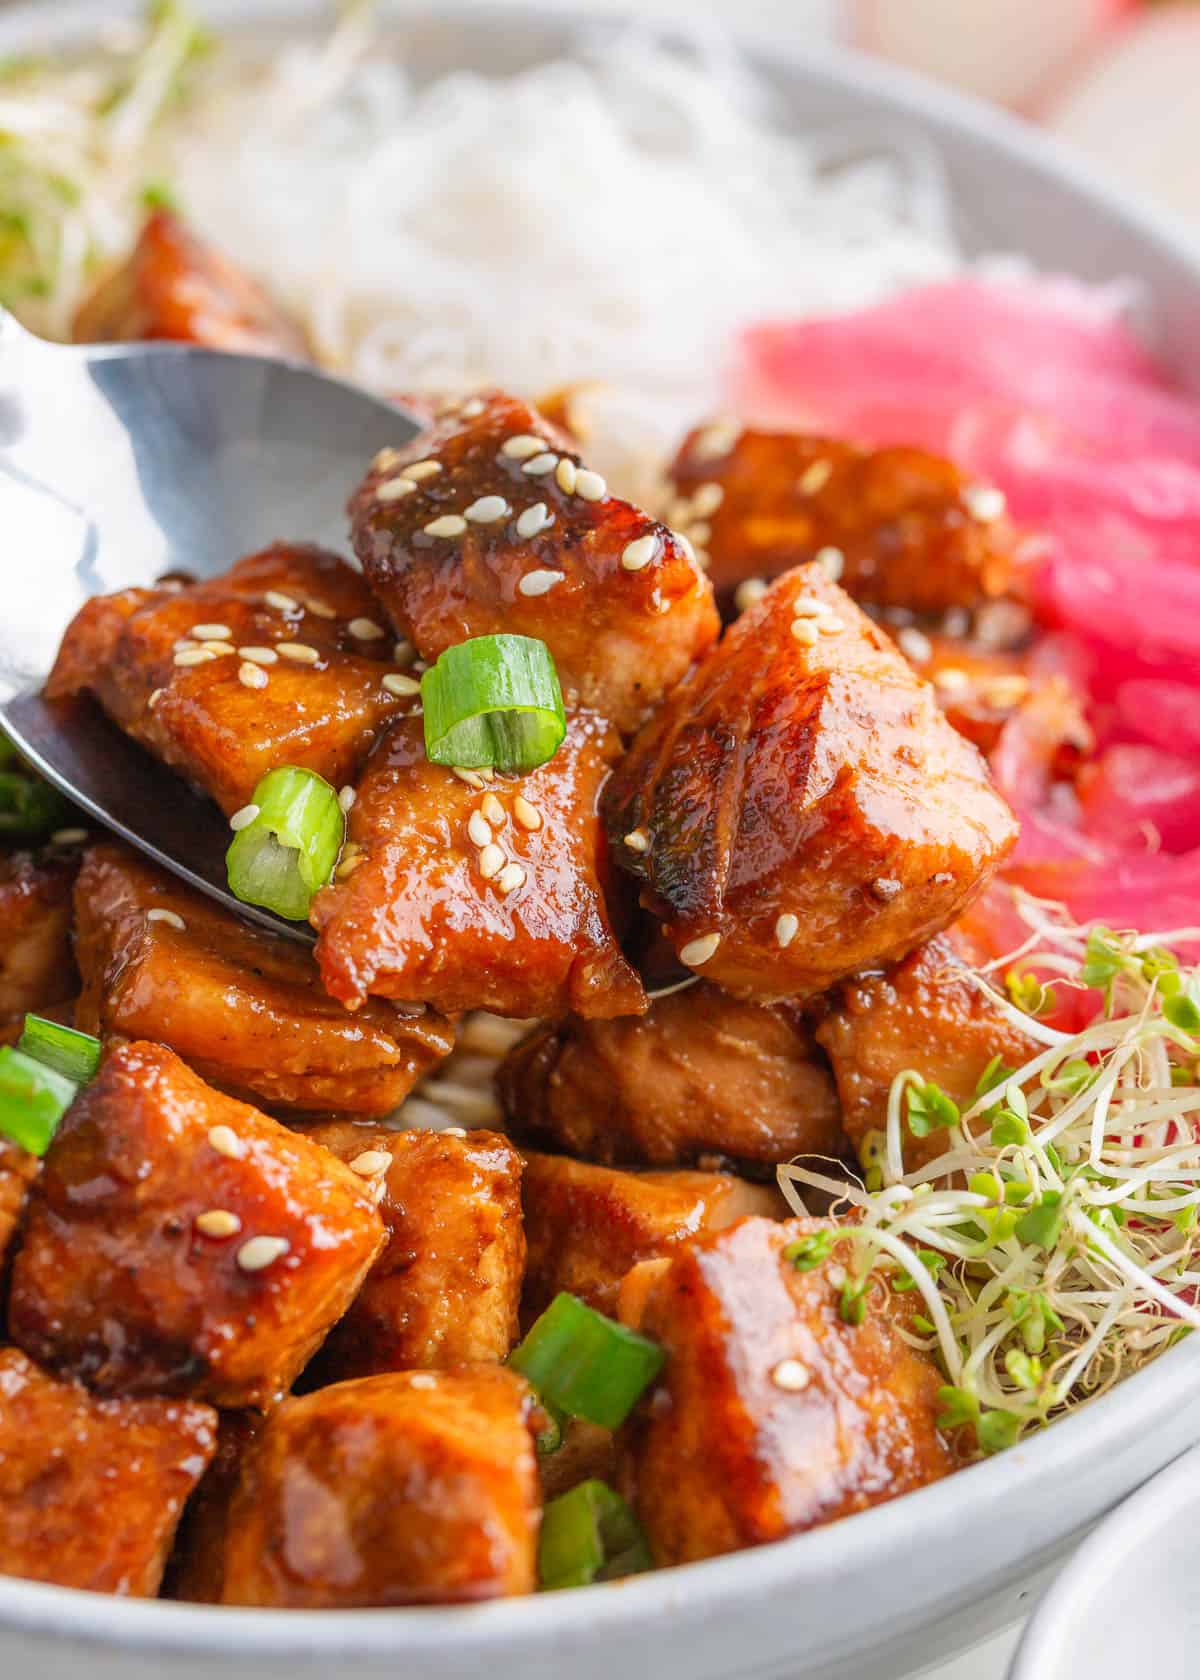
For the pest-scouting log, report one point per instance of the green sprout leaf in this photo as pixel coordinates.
(1103, 959)
(807, 1253)
(930, 1110)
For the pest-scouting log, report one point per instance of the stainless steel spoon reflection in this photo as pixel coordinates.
(118, 464)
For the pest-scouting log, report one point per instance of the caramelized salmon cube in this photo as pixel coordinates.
(37, 969)
(415, 1487)
(445, 1290)
(470, 894)
(772, 1413)
(587, 1225)
(800, 808)
(179, 1242)
(244, 1007)
(703, 1075)
(91, 1490)
(489, 523)
(909, 529)
(295, 677)
(925, 1013)
(176, 286)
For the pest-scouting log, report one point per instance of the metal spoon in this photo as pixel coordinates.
(122, 462)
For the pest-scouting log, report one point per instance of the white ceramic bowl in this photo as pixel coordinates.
(1130, 1597)
(876, 1595)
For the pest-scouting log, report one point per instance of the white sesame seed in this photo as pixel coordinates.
(211, 632)
(155, 696)
(184, 645)
(749, 592)
(637, 840)
(914, 644)
(219, 649)
(68, 836)
(320, 609)
(538, 465)
(639, 552)
(403, 652)
(167, 916)
(494, 811)
(590, 485)
(300, 652)
(707, 498)
(791, 1376)
(194, 656)
(226, 1142)
(786, 929)
(346, 798)
(243, 818)
(805, 631)
(521, 447)
(510, 878)
(534, 520)
(526, 814)
(714, 440)
(491, 862)
(1006, 690)
(422, 1379)
(565, 475)
(479, 829)
(809, 606)
(218, 1222)
(449, 525)
(831, 561)
(394, 489)
(486, 510)
(261, 1252)
(251, 676)
(385, 460)
(365, 629)
(698, 951)
(259, 655)
(473, 407)
(284, 603)
(348, 863)
(815, 477)
(453, 1131)
(472, 777)
(400, 683)
(370, 1162)
(952, 680)
(831, 626)
(420, 470)
(539, 582)
(984, 502)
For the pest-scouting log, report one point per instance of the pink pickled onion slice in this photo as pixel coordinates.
(1142, 799)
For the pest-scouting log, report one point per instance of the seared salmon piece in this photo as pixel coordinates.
(702, 1075)
(179, 1242)
(37, 968)
(772, 1414)
(489, 522)
(415, 1487)
(297, 675)
(90, 1489)
(909, 529)
(924, 1013)
(446, 1289)
(244, 1007)
(800, 808)
(175, 285)
(587, 1225)
(470, 894)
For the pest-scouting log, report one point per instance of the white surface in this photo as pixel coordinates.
(1131, 1594)
(988, 1661)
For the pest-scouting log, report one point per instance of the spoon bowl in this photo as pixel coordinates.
(121, 463)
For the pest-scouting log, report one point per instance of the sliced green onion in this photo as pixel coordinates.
(75, 1055)
(589, 1534)
(29, 808)
(586, 1365)
(33, 1099)
(495, 702)
(289, 850)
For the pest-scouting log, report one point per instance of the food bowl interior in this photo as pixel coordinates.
(938, 1569)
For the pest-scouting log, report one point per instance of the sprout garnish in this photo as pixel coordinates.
(1054, 1240)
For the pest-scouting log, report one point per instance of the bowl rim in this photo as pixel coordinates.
(859, 1544)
